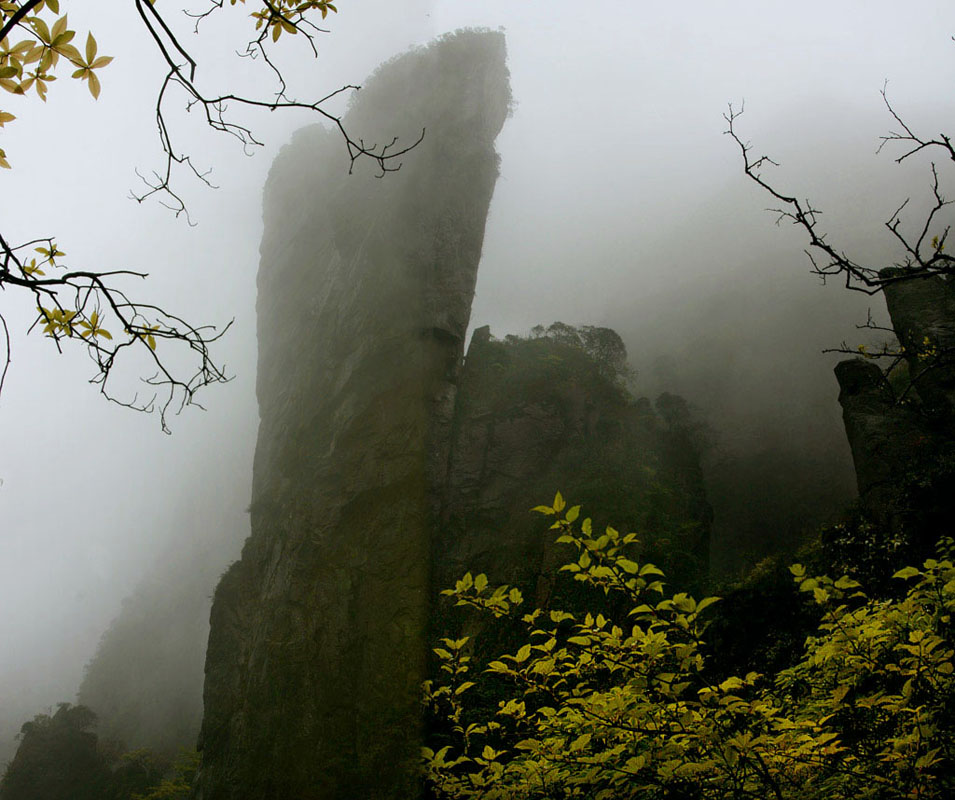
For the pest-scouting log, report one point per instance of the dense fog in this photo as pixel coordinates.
(620, 203)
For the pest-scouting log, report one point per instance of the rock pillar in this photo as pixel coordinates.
(318, 640)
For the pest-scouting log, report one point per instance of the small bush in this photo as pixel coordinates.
(614, 708)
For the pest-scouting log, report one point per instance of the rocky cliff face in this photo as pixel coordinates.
(318, 638)
(535, 415)
(144, 682)
(386, 463)
(901, 432)
(923, 317)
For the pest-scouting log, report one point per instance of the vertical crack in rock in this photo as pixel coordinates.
(318, 639)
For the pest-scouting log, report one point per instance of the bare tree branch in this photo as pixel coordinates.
(17, 17)
(78, 305)
(914, 143)
(90, 307)
(6, 345)
(922, 257)
(182, 73)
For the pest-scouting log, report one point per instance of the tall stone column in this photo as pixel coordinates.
(318, 641)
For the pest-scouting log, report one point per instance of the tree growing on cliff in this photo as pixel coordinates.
(91, 308)
(905, 470)
(922, 243)
(57, 759)
(609, 707)
(603, 345)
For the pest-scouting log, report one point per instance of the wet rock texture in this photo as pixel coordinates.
(388, 464)
(534, 416)
(318, 634)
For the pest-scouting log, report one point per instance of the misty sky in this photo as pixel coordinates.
(619, 203)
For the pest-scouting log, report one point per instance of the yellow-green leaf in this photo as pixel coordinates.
(580, 742)
(731, 683)
(559, 503)
(59, 28)
(706, 601)
(906, 572)
(42, 31)
(93, 82)
(70, 52)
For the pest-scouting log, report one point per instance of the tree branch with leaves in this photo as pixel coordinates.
(92, 308)
(616, 703)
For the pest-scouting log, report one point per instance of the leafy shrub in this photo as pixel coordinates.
(600, 708)
(178, 786)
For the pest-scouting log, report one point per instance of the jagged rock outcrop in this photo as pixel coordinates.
(318, 639)
(901, 438)
(536, 415)
(923, 317)
(884, 437)
(387, 464)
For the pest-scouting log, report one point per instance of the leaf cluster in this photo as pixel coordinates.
(30, 63)
(89, 308)
(625, 708)
(287, 16)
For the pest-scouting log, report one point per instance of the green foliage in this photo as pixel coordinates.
(603, 345)
(624, 707)
(57, 759)
(61, 758)
(179, 785)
